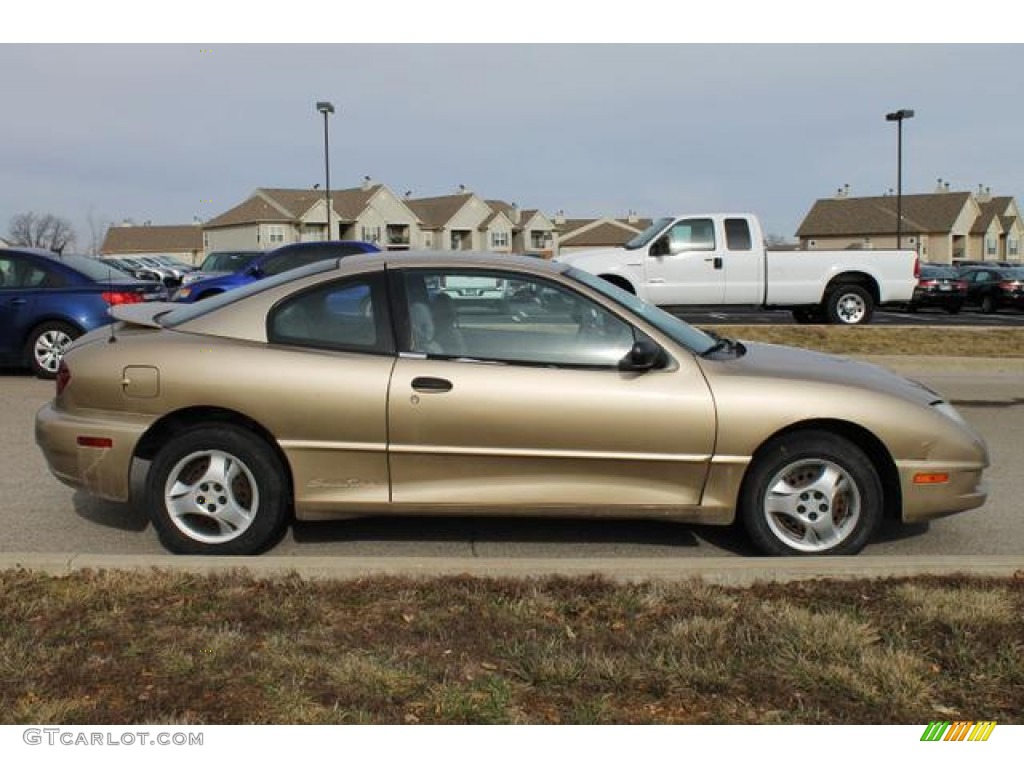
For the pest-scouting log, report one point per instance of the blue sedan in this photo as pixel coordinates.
(48, 300)
(273, 263)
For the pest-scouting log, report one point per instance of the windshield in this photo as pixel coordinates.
(648, 234)
(682, 333)
(188, 312)
(228, 261)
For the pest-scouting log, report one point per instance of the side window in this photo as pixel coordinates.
(692, 235)
(508, 318)
(346, 316)
(737, 235)
(17, 272)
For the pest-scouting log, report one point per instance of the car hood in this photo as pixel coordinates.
(771, 361)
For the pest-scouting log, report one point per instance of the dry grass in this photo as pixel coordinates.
(886, 340)
(115, 647)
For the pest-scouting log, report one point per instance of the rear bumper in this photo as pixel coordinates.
(104, 471)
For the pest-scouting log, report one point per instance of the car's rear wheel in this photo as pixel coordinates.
(46, 347)
(217, 490)
(988, 305)
(811, 493)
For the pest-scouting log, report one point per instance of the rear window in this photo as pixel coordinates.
(737, 235)
(188, 312)
(95, 269)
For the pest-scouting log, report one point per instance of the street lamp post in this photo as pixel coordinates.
(898, 118)
(326, 108)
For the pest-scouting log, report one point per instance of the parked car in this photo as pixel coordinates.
(994, 288)
(352, 387)
(272, 263)
(222, 263)
(141, 270)
(47, 301)
(939, 286)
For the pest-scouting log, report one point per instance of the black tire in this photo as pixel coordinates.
(827, 497)
(230, 489)
(954, 309)
(849, 304)
(46, 346)
(988, 305)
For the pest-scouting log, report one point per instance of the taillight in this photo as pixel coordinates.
(113, 298)
(63, 377)
(917, 266)
(961, 285)
(1010, 285)
(929, 283)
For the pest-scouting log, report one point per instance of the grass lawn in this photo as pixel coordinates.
(160, 647)
(886, 340)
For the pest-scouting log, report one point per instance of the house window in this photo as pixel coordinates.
(398, 234)
(990, 246)
(371, 235)
(539, 239)
(499, 239)
(1011, 246)
(275, 234)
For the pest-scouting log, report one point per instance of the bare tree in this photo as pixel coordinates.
(41, 231)
(98, 226)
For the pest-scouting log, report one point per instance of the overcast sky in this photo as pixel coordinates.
(166, 133)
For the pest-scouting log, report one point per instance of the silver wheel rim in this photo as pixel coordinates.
(49, 349)
(812, 505)
(211, 497)
(851, 308)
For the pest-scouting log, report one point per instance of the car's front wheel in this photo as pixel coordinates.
(217, 490)
(811, 493)
(46, 347)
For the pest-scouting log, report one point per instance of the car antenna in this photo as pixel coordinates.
(110, 289)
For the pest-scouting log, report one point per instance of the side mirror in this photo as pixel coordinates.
(644, 356)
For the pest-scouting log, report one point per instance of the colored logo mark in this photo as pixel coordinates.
(961, 730)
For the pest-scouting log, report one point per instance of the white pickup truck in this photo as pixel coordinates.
(716, 259)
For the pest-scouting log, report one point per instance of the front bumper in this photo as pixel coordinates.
(965, 489)
(103, 471)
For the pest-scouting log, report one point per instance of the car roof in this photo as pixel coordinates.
(449, 259)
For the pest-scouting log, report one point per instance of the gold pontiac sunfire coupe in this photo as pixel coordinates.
(468, 384)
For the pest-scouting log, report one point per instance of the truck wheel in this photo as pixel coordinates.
(849, 304)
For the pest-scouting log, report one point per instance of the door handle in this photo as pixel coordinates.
(431, 384)
(717, 261)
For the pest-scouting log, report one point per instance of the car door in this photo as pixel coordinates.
(521, 404)
(19, 280)
(686, 264)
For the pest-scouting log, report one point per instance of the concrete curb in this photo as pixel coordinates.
(718, 570)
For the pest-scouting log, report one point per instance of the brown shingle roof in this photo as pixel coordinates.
(610, 233)
(435, 212)
(269, 204)
(851, 216)
(175, 238)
